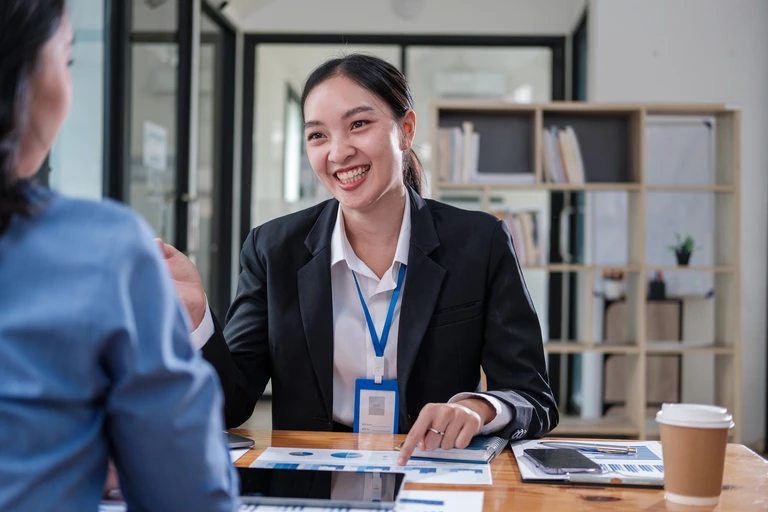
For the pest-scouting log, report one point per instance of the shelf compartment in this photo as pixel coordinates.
(692, 150)
(506, 139)
(579, 347)
(718, 269)
(687, 347)
(727, 189)
(607, 426)
(608, 142)
(709, 218)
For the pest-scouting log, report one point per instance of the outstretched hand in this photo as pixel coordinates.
(447, 426)
(187, 281)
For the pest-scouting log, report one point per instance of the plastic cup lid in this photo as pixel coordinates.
(695, 416)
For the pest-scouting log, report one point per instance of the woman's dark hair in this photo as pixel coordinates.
(385, 81)
(25, 28)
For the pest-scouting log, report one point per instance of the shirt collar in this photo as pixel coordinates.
(341, 250)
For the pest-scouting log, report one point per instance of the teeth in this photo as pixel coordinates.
(353, 175)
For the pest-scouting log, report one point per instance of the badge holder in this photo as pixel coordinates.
(377, 402)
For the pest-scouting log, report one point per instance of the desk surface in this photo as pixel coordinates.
(745, 481)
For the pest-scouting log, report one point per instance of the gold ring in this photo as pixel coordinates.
(437, 431)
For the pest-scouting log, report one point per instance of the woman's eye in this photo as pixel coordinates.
(359, 124)
(313, 136)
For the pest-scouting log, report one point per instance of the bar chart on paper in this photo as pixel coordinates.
(363, 460)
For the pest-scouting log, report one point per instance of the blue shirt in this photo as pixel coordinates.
(96, 362)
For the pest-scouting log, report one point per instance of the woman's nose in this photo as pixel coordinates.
(341, 150)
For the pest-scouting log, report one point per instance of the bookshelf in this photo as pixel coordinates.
(619, 151)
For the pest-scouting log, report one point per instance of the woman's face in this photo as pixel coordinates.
(354, 144)
(49, 99)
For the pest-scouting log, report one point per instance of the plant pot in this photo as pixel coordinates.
(612, 288)
(683, 258)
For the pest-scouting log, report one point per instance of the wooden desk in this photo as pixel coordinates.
(745, 480)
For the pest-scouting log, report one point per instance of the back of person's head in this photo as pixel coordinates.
(385, 81)
(26, 26)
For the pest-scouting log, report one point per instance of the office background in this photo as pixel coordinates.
(183, 109)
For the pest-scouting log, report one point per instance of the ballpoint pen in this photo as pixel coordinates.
(591, 447)
(614, 478)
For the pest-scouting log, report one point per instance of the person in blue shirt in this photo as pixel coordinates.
(95, 356)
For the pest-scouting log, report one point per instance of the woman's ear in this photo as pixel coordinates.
(408, 129)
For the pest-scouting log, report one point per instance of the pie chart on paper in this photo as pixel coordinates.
(301, 454)
(346, 455)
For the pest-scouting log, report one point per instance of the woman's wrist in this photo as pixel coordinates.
(483, 408)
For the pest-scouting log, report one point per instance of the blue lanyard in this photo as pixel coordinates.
(380, 345)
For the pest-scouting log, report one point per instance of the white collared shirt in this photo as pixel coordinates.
(353, 352)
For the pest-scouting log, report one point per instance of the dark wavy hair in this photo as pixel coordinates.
(25, 28)
(385, 81)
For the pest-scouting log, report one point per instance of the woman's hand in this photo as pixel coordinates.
(111, 484)
(447, 426)
(187, 281)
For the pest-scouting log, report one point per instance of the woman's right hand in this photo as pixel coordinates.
(187, 280)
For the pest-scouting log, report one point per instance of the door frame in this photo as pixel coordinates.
(117, 103)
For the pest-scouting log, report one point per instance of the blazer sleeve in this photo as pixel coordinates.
(240, 353)
(513, 353)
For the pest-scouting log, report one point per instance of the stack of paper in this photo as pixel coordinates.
(644, 467)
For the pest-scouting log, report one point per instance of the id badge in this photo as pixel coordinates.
(376, 407)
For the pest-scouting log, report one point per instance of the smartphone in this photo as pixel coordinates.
(559, 461)
(322, 489)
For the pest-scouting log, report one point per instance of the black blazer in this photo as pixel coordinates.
(464, 306)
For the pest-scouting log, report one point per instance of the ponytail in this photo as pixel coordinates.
(413, 171)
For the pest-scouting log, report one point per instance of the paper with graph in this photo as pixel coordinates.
(644, 467)
(366, 460)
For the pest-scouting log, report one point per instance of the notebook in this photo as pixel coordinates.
(482, 449)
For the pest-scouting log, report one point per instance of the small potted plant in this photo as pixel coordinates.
(682, 249)
(613, 281)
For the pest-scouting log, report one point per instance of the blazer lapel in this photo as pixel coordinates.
(316, 304)
(424, 278)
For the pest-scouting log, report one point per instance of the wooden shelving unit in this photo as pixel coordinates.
(614, 141)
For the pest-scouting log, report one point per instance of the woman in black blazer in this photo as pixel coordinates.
(299, 316)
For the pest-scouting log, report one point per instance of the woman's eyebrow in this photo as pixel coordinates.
(349, 113)
(357, 110)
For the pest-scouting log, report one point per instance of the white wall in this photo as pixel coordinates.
(503, 17)
(702, 51)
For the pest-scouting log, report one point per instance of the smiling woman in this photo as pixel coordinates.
(375, 311)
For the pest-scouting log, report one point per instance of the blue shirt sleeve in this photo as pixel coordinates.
(164, 409)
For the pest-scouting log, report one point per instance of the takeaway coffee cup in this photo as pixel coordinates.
(693, 441)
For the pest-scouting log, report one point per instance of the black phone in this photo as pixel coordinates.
(559, 461)
(322, 489)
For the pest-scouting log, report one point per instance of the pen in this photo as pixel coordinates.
(591, 447)
(615, 479)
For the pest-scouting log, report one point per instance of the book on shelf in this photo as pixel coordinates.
(458, 158)
(458, 151)
(527, 236)
(562, 160)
